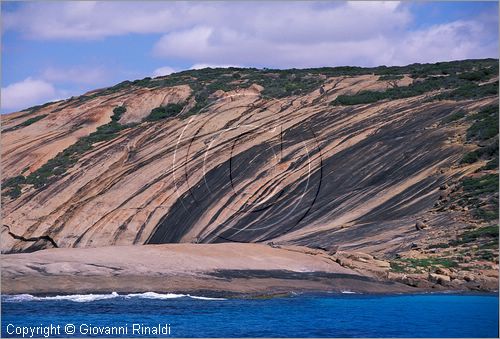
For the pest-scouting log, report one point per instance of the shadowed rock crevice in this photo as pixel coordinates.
(39, 243)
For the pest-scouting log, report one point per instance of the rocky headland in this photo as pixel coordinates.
(377, 179)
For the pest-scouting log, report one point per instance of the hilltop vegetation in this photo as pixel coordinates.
(463, 80)
(458, 83)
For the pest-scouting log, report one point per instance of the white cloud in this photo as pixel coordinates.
(313, 35)
(75, 75)
(202, 65)
(89, 20)
(180, 43)
(95, 20)
(458, 39)
(163, 71)
(26, 93)
(265, 34)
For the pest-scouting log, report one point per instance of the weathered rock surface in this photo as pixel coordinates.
(224, 269)
(439, 278)
(248, 168)
(363, 263)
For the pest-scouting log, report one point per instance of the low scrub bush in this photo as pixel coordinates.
(486, 184)
(454, 117)
(163, 112)
(390, 77)
(483, 232)
(27, 122)
(485, 124)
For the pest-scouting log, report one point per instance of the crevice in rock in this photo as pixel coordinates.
(31, 239)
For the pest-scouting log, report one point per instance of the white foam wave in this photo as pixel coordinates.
(204, 298)
(83, 298)
(18, 298)
(94, 297)
(154, 295)
(79, 298)
(348, 292)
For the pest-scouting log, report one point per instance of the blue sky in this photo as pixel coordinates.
(53, 50)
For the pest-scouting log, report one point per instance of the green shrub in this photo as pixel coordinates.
(164, 112)
(470, 90)
(14, 181)
(118, 112)
(12, 186)
(478, 194)
(487, 255)
(32, 120)
(483, 74)
(454, 117)
(390, 77)
(485, 125)
(492, 164)
(14, 192)
(27, 122)
(364, 97)
(34, 109)
(440, 245)
(429, 262)
(490, 245)
(486, 214)
(483, 232)
(486, 152)
(471, 157)
(397, 267)
(486, 184)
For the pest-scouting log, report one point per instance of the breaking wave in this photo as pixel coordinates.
(82, 298)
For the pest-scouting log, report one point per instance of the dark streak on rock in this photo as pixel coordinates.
(39, 242)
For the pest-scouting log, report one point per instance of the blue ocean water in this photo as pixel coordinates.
(325, 315)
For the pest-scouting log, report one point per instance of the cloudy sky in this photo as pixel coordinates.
(53, 50)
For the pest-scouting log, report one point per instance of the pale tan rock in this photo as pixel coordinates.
(490, 273)
(420, 225)
(446, 271)
(468, 277)
(439, 278)
(381, 263)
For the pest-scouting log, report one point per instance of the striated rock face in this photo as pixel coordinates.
(233, 163)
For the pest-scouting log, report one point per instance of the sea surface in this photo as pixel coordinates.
(307, 315)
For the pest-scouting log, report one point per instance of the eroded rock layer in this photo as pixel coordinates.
(237, 163)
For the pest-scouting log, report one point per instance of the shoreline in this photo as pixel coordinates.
(191, 284)
(214, 295)
(215, 270)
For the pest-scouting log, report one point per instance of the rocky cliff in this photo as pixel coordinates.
(399, 162)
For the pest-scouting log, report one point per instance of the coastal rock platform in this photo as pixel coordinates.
(217, 269)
